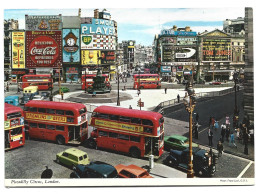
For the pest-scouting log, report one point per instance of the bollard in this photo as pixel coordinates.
(151, 161)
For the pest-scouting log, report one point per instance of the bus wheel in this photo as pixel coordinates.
(134, 152)
(92, 144)
(60, 140)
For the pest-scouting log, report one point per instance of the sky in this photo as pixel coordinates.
(141, 24)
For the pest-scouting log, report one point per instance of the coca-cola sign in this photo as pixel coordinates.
(43, 48)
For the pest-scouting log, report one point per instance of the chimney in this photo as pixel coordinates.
(174, 28)
(96, 13)
(187, 29)
(79, 12)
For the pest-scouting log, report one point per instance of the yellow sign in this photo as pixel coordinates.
(148, 79)
(90, 57)
(7, 124)
(18, 50)
(46, 117)
(16, 138)
(121, 126)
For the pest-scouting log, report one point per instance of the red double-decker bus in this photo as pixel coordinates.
(147, 81)
(139, 133)
(14, 127)
(89, 80)
(44, 81)
(62, 122)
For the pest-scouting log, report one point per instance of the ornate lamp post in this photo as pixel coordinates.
(189, 102)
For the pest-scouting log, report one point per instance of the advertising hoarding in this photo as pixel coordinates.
(72, 74)
(70, 42)
(216, 49)
(107, 57)
(43, 48)
(103, 42)
(186, 40)
(168, 40)
(177, 33)
(18, 50)
(90, 57)
(166, 69)
(99, 26)
(185, 54)
(43, 22)
(167, 53)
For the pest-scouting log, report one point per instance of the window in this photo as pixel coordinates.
(113, 135)
(147, 122)
(125, 119)
(69, 113)
(136, 120)
(59, 128)
(103, 133)
(65, 154)
(42, 126)
(60, 112)
(114, 117)
(42, 110)
(83, 110)
(103, 116)
(51, 127)
(51, 111)
(148, 130)
(124, 137)
(70, 120)
(26, 108)
(134, 138)
(80, 158)
(33, 109)
(127, 174)
(16, 131)
(33, 125)
(85, 156)
(161, 121)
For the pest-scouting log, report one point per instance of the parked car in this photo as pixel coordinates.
(215, 83)
(45, 95)
(71, 157)
(131, 171)
(64, 89)
(177, 142)
(38, 97)
(95, 169)
(204, 162)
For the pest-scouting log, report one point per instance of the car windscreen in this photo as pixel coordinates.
(113, 174)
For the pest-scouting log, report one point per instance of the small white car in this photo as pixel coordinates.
(38, 97)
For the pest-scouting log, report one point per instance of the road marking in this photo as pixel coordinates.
(245, 169)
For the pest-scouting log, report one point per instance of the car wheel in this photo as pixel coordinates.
(60, 140)
(135, 152)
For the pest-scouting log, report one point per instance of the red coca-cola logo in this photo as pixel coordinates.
(44, 50)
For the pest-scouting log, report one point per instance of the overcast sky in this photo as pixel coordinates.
(141, 24)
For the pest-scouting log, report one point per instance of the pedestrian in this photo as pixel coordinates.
(210, 120)
(216, 125)
(227, 133)
(196, 130)
(51, 98)
(197, 117)
(213, 122)
(178, 98)
(130, 107)
(223, 131)
(232, 140)
(220, 148)
(227, 120)
(138, 92)
(7, 86)
(165, 90)
(210, 137)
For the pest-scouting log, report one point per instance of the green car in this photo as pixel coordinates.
(177, 142)
(64, 89)
(72, 157)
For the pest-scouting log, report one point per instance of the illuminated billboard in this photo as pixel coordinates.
(70, 42)
(185, 54)
(99, 26)
(43, 48)
(43, 22)
(18, 50)
(167, 53)
(103, 42)
(216, 49)
(90, 57)
(107, 57)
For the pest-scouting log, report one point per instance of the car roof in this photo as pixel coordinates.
(136, 170)
(101, 167)
(179, 137)
(75, 152)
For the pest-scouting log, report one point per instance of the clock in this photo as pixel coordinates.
(71, 41)
(131, 43)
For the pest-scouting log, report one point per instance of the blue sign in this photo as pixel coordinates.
(166, 69)
(70, 45)
(177, 33)
(99, 26)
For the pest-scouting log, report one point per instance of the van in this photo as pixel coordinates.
(28, 93)
(13, 100)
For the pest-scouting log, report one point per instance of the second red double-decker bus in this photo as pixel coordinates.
(62, 122)
(139, 133)
(44, 81)
(88, 80)
(14, 127)
(147, 81)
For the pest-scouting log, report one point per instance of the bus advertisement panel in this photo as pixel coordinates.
(14, 127)
(138, 133)
(147, 81)
(61, 122)
(43, 81)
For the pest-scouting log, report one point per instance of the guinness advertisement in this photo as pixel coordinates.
(216, 50)
(185, 54)
(107, 57)
(168, 53)
(43, 48)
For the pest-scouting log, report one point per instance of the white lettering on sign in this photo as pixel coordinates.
(43, 51)
(84, 28)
